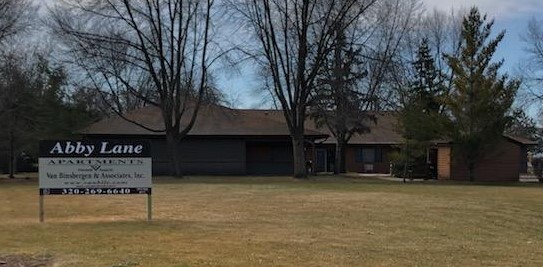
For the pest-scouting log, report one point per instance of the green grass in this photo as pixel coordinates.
(244, 221)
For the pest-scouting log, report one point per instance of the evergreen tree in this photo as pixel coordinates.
(34, 106)
(481, 97)
(423, 105)
(420, 119)
(427, 85)
(58, 116)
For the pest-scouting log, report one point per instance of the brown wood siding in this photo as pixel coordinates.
(377, 167)
(443, 163)
(269, 158)
(502, 164)
(201, 156)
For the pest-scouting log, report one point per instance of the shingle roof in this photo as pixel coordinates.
(383, 131)
(516, 139)
(520, 140)
(221, 121)
(211, 121)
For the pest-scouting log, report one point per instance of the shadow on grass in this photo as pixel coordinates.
(340, 180)
(319, 180)
(468, 183)
(257, 180)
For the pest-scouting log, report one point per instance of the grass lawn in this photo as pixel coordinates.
(247, 221)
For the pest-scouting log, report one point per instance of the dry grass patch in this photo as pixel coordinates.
(278, 221)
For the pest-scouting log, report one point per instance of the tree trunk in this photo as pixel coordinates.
(340, 158)
(173, 142)
(300, 170)
(404, 170)
(471, 170)
(11, 155)
(405, 160)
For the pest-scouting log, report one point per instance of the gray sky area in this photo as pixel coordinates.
(512, 16)
(501, 9)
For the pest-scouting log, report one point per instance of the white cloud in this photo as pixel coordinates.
(494, 8)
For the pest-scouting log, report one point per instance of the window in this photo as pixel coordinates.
(369, 155)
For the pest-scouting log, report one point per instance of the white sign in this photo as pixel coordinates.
(95, 173)
(95, 167)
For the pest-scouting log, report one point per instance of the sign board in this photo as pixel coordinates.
(94, 167)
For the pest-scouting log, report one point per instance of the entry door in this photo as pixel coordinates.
(321, 162)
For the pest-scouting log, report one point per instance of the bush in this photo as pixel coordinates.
(416, 168)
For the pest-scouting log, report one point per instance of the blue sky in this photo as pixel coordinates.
(509, 15)
(512, 16)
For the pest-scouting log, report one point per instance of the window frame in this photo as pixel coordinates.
(377, 155)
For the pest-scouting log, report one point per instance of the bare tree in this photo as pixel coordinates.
(16, 106)
(157, 52)
(443, 30)
(533, 67)
(294, 38)
(13, 17)
(444, 34)
(389, 28)
(391, 50)
(339, 103)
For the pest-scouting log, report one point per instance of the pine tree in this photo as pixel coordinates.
(481, 97)
(427, 85)
(420, 119)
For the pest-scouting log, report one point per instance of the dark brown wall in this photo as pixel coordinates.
(202, 156)
(502, 164)
(523, 160)
(269, 158)
(378, 167)
(213, 155)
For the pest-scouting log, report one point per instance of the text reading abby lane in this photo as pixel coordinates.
(104, 148)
